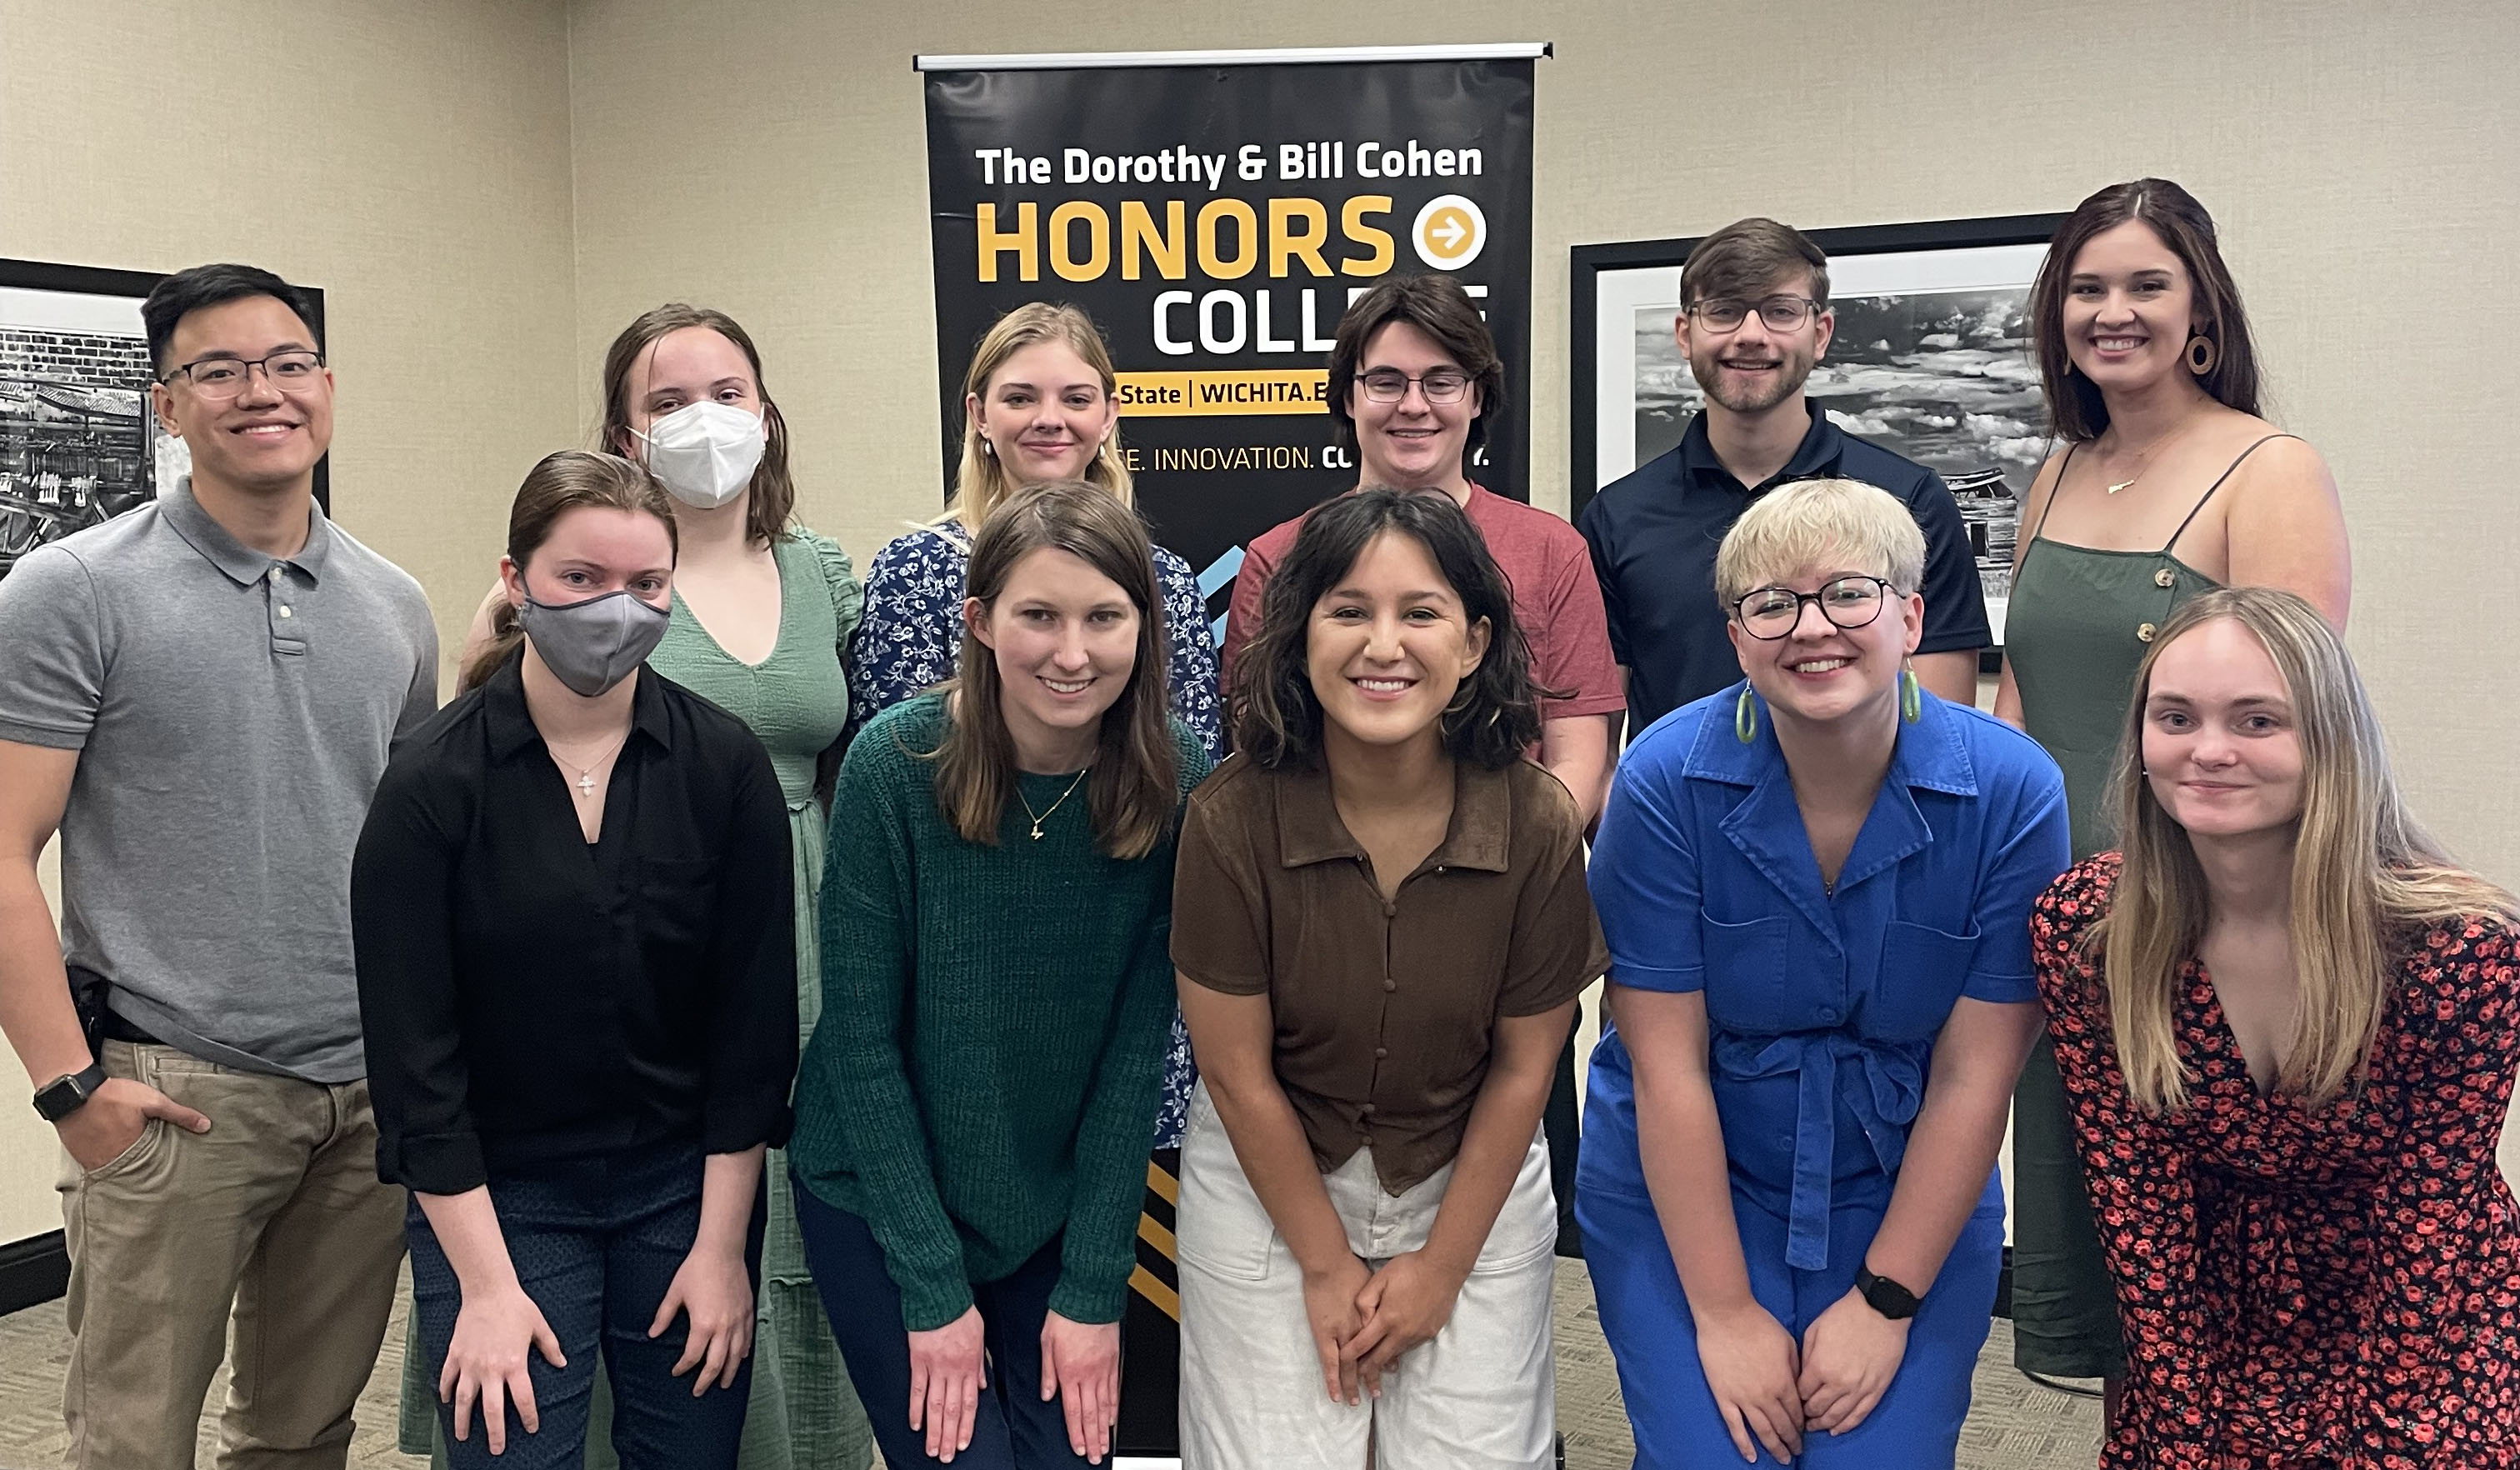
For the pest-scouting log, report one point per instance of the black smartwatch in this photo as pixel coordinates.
(64, 1096)
(1887, 1297)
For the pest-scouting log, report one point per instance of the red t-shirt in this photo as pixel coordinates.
(1556, 599)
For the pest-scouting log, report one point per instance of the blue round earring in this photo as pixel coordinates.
(1745, 717)
(1912, 696)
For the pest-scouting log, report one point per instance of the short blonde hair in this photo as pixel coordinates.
(1811, 521)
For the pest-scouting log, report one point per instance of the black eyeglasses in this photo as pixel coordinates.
(1848, 603)
(1781, 313)
(289, 370)
(1390, 385)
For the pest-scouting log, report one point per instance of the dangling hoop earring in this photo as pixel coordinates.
(1912, 696)
(2202, 354)
(1458, 706)
(1745, 718)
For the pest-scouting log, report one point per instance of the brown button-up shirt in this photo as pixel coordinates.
(1385, 1008)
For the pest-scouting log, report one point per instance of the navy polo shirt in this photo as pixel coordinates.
(1653, 534)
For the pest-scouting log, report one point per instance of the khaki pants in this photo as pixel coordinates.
(273, 1223)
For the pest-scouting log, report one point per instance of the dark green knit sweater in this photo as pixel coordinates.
(985, 1071)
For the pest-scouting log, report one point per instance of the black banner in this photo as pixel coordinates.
(1215, 220)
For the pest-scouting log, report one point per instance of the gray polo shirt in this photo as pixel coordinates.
(232, 714)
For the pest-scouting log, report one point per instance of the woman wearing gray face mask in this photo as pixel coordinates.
(762, 610)
(573, 913)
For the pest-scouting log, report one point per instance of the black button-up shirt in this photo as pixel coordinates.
(1653, 534)
(531, 997)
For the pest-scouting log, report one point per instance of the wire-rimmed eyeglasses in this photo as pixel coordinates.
(218, 378)
(1780, 313)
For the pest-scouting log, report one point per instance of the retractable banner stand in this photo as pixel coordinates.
(1215, 212)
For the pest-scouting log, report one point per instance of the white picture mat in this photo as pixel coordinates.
(70, 311)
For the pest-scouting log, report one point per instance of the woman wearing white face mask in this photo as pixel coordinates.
(762, 610)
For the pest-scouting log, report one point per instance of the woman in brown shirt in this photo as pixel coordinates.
(1382, 926)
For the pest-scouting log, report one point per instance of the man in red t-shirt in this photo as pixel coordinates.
(1412, 372)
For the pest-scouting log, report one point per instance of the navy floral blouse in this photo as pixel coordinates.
(912, 633)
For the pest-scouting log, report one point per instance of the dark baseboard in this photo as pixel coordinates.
(32, 1271)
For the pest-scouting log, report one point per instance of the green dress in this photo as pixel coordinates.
(2080, 624)
(804, 1415)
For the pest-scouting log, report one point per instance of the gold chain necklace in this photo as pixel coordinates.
(2142, 462)
(1038, 818)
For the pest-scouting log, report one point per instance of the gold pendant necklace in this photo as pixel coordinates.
(2142, 462)
(1038, 818)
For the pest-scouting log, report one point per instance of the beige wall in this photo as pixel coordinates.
(488, 189)
(412, 161)
(2361, 159)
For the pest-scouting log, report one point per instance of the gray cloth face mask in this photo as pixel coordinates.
(594, 644)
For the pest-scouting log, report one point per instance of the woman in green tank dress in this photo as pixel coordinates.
(2169, 484)
(762, 615)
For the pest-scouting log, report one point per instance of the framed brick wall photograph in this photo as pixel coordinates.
(78, 442)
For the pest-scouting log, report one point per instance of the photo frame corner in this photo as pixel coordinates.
(78, 442)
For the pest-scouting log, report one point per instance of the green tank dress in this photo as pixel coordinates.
(2080, 623)
(803, 1414)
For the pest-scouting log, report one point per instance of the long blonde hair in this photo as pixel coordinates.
(982, 483)
(2363, 872)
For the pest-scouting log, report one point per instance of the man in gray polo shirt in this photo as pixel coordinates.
(199, 696)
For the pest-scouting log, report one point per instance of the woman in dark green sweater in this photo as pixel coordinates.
(974, 1109)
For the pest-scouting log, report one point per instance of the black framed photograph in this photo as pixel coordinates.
(78, 442)
(1931, 358)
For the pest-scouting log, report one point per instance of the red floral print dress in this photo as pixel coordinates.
(2298, 1288)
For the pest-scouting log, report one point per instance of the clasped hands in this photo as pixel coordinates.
(1363, 1319)
(1771, 1390)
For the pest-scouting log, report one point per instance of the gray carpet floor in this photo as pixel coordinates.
(2014, 1425)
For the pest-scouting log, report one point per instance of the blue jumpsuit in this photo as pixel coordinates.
(1822, 1016)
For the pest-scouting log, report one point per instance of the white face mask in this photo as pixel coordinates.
(704, 453)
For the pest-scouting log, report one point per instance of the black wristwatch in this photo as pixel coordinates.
(1887, 1297)
(64, 1096)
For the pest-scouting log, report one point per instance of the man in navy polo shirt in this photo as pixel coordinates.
(1754, 318)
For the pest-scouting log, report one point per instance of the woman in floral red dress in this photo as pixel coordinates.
(2287, 1027)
